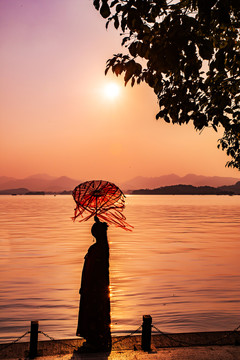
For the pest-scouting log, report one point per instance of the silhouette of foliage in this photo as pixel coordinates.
(187, 51)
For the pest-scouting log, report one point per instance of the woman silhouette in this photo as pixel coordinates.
(94, 309)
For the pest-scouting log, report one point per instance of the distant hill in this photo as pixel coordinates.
(184, 190)
(40, 182)
(5, 179)
(234, 188)
(42, 177)
(141, 182)
(20, 191)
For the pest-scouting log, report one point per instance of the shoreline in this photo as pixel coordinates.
(130, 343)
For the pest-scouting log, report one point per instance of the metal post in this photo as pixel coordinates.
(146, 332)
(33, 339)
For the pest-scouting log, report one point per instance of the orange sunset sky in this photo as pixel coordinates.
(56, 116)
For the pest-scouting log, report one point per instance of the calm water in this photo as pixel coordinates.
(180, 264)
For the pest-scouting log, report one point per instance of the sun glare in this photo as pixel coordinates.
(111, 90)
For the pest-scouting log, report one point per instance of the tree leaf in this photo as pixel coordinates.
(105, 10)
(116, 22)
(133, 49)
(113, 3)
(96, 4)
(117, 69)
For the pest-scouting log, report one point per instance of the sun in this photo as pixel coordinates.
(111, 90)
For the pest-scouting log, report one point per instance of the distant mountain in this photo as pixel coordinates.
(141, 182)
(62, 183)
(42, 177)
(5, 179)
(20, 191)
(40, 182)
(44, 182)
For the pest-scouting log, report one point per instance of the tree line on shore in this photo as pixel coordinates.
(191, 190)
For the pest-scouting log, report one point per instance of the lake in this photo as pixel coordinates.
(180, 264)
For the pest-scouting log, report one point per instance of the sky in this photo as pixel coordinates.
(56, 117)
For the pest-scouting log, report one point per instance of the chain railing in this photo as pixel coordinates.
(169, 336)
(127, 336)
(59, 341)
(188, 344)
(14, 341)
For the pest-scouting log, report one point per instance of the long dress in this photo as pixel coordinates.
(94, 309)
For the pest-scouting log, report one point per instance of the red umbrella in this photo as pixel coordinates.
(100, 198)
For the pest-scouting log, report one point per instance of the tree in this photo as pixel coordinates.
(188, 52)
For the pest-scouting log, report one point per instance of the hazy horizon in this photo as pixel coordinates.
(46, 182)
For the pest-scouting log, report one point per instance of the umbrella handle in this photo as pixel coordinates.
(95, 217)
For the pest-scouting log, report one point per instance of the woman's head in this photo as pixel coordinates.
(99, 229)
